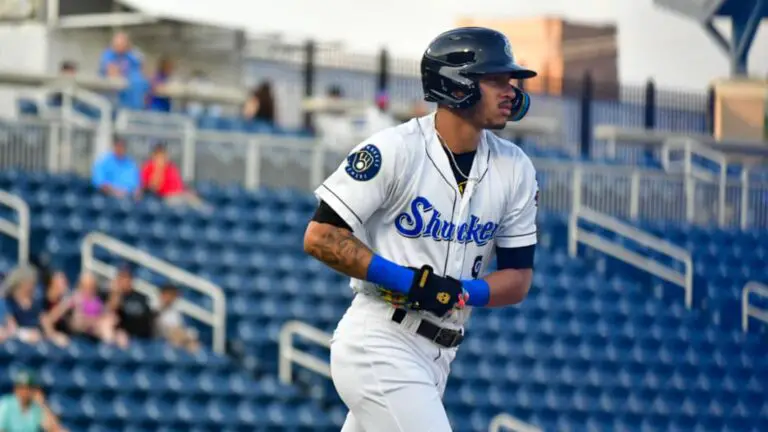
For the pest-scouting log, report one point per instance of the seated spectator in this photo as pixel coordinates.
(116, 174)
(55, 300)
(160, 176)
(162, 76)
(88, 309)
(26, 318)
(26, 410)
(135, 318)
(170, 321)
(260, 105)
(85, 312)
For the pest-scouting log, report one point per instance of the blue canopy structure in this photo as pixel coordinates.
(745, 16)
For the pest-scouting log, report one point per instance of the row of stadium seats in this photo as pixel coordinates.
(154, 387)
(593, 345)
(30, 108)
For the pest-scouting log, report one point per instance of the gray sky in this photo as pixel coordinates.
(653, 42)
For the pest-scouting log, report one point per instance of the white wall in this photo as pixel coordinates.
(23, 47)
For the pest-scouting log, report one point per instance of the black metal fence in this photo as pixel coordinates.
(578, 103)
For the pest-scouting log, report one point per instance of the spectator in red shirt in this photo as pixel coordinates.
(161, 176)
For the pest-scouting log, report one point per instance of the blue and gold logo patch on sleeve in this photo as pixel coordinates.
(364, 164)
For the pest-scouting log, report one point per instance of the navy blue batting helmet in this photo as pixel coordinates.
(456, 59)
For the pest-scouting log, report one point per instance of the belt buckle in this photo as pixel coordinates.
(447, 338)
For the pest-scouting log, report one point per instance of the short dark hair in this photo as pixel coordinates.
(159, 146)
(68, 65)
(169, 287)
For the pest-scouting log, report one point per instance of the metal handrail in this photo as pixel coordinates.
(216, 319)
(288, 354)
(748, 310)
(506, 421)
(20, 230)
(577, 235)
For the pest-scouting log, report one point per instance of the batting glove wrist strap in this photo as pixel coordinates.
(433, 293)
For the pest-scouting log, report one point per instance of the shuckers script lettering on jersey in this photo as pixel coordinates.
(424, 220)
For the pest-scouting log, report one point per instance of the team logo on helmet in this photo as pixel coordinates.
(508, 48)
(364, 164)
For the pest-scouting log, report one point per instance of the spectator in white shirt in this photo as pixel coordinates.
(170, 322)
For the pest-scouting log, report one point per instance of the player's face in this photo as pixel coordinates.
(495, 104)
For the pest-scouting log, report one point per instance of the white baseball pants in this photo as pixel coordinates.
(390, 378)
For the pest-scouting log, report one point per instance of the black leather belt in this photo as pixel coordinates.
(444, 337)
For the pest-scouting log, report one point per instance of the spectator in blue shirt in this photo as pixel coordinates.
(162, 76)
(120, 60)
(116, 174)
(136, 95)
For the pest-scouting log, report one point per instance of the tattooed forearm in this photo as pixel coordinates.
(338, 248)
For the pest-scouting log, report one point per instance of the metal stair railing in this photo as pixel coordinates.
(20, 230)
(748, 310)
(289, 354)
(216, 319)
(505, 421)
(578, 235)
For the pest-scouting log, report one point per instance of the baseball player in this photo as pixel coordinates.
(414, 215)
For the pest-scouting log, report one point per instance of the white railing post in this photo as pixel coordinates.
(288, 354)
(690, 197)
(67, 128)
(575, 209)
(216, 319)
(253, 163)
(189, 150)
(744, 216)
(578, 235)
(506, 421)
(634, 195)
(721, 191)
(54, 146)
(19, 231)
(752, 311)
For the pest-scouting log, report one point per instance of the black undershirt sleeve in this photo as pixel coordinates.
(325, 214)
(515, 258)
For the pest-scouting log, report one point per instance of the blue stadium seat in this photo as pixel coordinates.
(593, 347)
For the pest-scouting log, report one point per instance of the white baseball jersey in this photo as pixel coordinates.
(398, 193)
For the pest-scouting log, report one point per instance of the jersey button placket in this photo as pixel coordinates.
(464, 212)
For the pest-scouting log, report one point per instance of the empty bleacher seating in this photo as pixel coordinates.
(591, 348)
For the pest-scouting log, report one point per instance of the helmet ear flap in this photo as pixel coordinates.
(520, 105)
